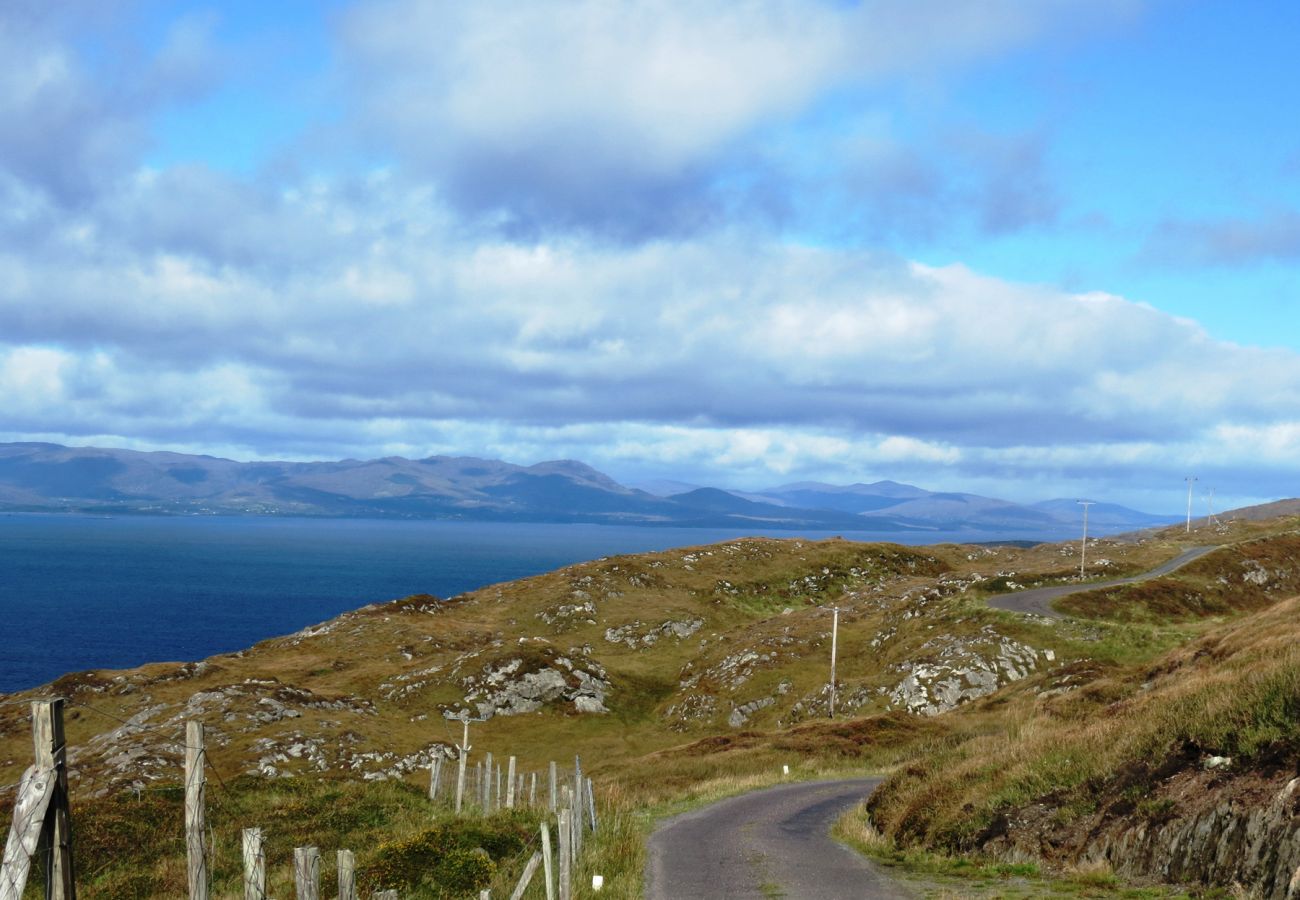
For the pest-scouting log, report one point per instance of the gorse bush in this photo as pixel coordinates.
(447, 860)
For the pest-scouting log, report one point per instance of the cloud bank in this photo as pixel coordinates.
(572, 239)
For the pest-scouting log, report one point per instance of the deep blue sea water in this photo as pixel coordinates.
(84, 592)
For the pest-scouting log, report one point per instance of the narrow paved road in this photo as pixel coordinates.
(771, 843)
(1039, 600)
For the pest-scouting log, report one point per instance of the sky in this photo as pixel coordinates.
(1028, 249)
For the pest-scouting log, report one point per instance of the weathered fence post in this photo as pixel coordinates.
(510, 785)
(195, 810)
(41, 817)
(460, 779)
(461, 761)
(591, 802)
(52, 753)
(554, 786)
(496, 804)
(435, 776)
(576, 820)
(524, 880)
(31, 811)
(486, 785)
(306, 872)
(347, 875)
(566, 855)
(254, 865)
(546, 862)
(532, 790)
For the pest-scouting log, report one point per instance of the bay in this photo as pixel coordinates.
(85, 592)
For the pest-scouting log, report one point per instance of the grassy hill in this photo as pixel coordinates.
(684, 674)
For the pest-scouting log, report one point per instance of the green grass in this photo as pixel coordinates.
(130, 846)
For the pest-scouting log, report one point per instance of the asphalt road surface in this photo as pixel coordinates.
(1039, 600)
(767, 844)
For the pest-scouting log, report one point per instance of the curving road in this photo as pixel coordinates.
(770, 843)
(1039, 600)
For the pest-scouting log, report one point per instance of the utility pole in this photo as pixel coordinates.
(1083, 551)
(835, 633)
(1191, 479)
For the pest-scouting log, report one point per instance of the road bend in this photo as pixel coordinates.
(766, 844)
(1039, 600)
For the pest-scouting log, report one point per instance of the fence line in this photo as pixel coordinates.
(41, 827)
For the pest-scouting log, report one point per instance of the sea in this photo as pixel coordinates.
(82, 592)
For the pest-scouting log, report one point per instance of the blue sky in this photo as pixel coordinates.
(1028, 249)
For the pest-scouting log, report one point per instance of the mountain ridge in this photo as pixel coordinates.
(46, 477)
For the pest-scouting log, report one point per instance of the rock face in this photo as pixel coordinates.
(740, 715)
(1254, 843)
(1202, 825)
(524, 684)
(637, 635)
(963, 669)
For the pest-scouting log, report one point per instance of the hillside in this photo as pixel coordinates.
(38, 477)
(667, 670)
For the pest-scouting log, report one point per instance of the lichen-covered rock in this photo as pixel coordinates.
(638, 635)
(741, 714)
(962, 670)
(523, 684)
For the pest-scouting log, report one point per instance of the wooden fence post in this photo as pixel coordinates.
(577, 779)
(460, 778)
(532, 790)
(435, 775)
(591, 802)
(524, 880)
(566, 855)
(41, 817)
(546, 862)
(52, 753)
(576, 821)
(554, 786)
(306, 872)
(31, 811)
(254, 865)
(347, 875)
(487, 784)
(510, 785)
(196, 811)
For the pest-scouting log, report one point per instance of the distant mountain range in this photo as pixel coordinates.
(38, 477)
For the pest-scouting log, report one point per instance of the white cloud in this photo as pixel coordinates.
(617, 116)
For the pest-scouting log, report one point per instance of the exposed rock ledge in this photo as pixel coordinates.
(1200, 826)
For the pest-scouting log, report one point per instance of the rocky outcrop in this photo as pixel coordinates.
(1254, 845)
(638, 635)
(526, 683)
(740, 715)
(958, 670)
(1200, 826)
